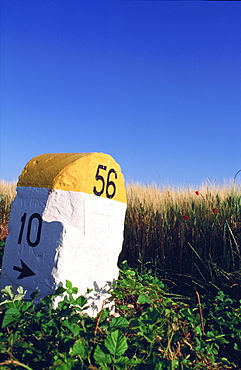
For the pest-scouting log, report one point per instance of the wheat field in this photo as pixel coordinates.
(190, 232)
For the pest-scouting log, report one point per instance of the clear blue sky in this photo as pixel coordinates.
(155, 84)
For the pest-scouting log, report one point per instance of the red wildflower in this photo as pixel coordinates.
(186, 217)
(197, 192)
(215, 210)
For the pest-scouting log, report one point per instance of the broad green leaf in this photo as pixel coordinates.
(198, 330)
(60, 290)
(116, 343)
(81, 301)
(27, 307)
(127, 361)
(119, 322)
(104, 366)
(78, 349)
(74, 328)
(35, 294)
(49, 326)
(65, 365)
(3, 348)
(74, 290)
(103, 314)
(123, 307)
(101, 357)
(11, 315)
(143, 299)
(68, 284)
(13, 339)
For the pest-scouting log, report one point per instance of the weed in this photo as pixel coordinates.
(154, 329)
(188, 235)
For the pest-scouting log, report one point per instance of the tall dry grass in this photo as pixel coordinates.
(8, 189)
(194, 233)
(7, 194)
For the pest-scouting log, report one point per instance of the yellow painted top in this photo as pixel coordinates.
(91, 173)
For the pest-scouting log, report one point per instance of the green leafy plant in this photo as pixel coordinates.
(152, 329)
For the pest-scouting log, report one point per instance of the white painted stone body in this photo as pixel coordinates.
(80, 240)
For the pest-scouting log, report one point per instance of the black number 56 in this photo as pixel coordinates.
(109, 187)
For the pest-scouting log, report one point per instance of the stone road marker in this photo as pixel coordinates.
(66, 223)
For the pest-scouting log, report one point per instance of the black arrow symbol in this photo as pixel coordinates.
(25, 270)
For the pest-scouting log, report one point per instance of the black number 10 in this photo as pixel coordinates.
(32, 243)
(110, 185)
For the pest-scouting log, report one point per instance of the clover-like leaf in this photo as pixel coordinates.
(143, 299)
(116, 343)
(102, 357)
(78, 349)
(119, 322)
